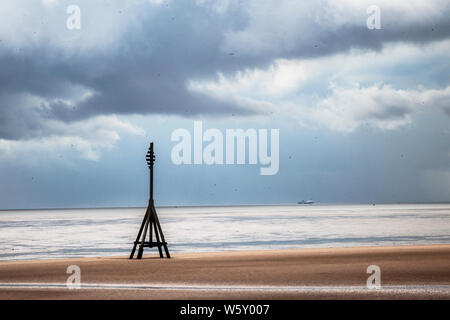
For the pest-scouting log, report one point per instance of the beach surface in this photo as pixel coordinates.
(407, 272)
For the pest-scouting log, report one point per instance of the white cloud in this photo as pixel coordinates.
(156, 2)
(218, 6)
(281, 78)
(50, 3)
(344, 91)
(380, 106)
(87, 137)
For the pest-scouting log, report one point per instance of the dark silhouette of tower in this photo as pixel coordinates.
(151, 222)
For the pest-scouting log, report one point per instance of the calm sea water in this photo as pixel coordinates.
(48, 234)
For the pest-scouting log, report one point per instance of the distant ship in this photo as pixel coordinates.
(306, 202)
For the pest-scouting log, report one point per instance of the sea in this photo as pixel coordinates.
(69, 233)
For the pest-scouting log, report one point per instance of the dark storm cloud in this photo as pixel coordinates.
(147, 69)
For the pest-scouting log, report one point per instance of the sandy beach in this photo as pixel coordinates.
(407, 272)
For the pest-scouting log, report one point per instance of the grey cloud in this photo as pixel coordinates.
(391, 112)
(147, 69)
(293, 29)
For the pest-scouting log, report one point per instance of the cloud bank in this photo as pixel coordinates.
(193, 58)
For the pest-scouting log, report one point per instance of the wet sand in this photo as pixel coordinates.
(407, 272)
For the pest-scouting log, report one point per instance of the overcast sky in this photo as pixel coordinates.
(363, 114)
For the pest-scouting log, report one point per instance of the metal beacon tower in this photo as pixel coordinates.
(150, 221)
